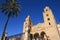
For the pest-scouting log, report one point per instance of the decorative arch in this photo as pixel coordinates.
(36, 36)
(42, 35)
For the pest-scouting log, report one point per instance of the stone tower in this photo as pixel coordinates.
(42, 31)
(50, 23)
(27, 27)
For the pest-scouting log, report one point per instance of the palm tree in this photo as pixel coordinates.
(10, 8)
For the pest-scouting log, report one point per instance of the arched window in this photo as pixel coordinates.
(31, 37)
(42, 36)
(36, 36)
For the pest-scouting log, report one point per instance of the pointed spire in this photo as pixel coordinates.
(28, 18)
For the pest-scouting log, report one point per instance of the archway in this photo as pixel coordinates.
(36, 36)
(42, 35)
(31, 36)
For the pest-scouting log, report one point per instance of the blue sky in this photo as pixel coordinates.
(34, 8)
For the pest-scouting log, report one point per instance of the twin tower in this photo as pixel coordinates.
(42, 31)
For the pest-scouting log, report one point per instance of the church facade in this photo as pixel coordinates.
(47, 30)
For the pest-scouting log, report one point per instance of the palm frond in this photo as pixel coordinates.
(3, 6)
(3, 10)
(12, 6)
(17, 11)
(7, 1)
(18, 5)
(13, 14)
(6, 13)
(10, 0)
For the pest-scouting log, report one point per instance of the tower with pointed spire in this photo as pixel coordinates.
(27, 27)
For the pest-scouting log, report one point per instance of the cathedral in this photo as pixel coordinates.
(47, 30)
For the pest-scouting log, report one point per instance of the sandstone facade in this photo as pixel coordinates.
(42, 31)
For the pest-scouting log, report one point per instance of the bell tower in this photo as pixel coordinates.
(49, 19)
(27, 27)
(50, 24)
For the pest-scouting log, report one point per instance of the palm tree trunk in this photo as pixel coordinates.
(3, 34)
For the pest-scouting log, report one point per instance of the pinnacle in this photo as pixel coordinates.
(28, 17)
